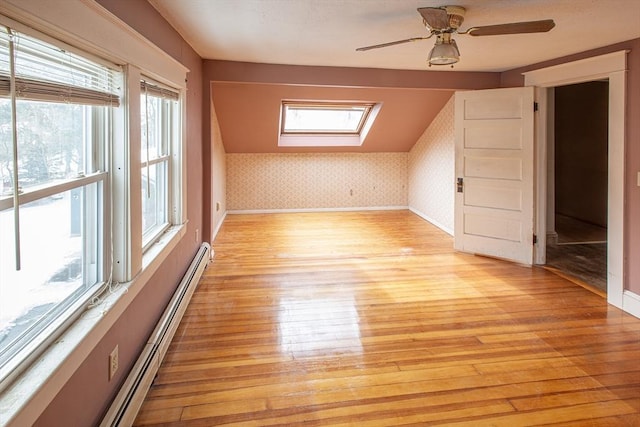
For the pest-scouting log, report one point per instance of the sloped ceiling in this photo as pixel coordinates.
(316, 34)
(247, 99)
(249, 114)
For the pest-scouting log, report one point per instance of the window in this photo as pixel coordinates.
(317, 124)
(320, 118)
(55, 112)
(71, 211)
(158, 114)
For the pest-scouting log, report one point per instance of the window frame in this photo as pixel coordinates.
(329, 139)
(82, 26)
(169, 142)
(96, 120)
(367, 108)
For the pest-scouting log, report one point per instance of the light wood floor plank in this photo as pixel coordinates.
(370, 318)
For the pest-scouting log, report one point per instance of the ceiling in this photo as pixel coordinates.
(249, 37)
(327, 32)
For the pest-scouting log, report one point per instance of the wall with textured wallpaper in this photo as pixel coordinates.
(316, 181)
(431, 170)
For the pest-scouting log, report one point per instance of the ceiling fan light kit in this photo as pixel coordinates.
(444, 52)
(444, 21)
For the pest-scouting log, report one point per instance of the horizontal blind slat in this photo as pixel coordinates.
(45, 72)
(158, 91)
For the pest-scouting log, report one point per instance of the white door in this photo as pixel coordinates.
(494, 173)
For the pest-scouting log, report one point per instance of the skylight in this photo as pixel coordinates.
(325, 124)
(324, 118)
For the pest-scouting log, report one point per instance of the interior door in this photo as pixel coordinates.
(494, 173)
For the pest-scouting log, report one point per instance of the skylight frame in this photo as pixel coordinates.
(366, 107)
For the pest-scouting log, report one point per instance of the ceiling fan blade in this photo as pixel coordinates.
(435, 17)
(512, 28)
(376, 46)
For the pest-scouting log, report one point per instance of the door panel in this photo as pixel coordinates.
(477, 225)
(504, 134)
(482, 165)
(497, 106)
(494, 159)
(485, 194)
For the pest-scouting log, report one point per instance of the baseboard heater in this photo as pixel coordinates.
(127, 403)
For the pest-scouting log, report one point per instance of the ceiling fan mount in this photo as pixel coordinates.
(455, 18)
(444, 21)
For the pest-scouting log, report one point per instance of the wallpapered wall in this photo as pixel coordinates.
(316, 181)
(431, 171)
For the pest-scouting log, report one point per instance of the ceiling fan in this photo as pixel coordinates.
(444, 21)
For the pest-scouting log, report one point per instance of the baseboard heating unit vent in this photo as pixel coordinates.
(127, 403)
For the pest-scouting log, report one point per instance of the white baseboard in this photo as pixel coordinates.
(312, 210)
(432, 221)
(631, 303)
(218, 225)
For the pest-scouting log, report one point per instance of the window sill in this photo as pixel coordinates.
(22, 402)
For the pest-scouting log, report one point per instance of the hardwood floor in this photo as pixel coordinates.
(580, 252)
(371, 319)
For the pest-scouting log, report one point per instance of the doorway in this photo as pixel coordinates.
(577, 182)
(610, 66)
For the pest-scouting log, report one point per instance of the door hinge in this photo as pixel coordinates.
(535, 106)
(535, 239)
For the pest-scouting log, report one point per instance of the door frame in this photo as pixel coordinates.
(613, 67)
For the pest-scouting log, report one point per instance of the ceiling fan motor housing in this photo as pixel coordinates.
(456, 16)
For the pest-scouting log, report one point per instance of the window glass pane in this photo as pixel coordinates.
(317, 118)
(52, 141)
(157, 115)
(151, 108)
(154, 199)
(59, 257)
(6, 148)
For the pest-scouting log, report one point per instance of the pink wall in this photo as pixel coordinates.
(632, 145)
(88, 393)
(230, 71)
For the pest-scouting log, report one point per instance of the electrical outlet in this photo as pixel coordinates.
(197, 235)
(113, 362)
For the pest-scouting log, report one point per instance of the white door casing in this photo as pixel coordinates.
(613, 67)
(494, 133)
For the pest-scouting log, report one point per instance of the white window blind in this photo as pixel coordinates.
(44, 72)
(153, 89)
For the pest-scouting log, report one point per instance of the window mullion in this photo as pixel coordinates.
(126, 181)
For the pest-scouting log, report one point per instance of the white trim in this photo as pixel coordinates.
(541, 173)
(218, 226)
(24, 401)
(584, 70)
(432, 221)
(319, 140)
(611, 66)
(313, 210)
(616, 189)
(631, 303)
